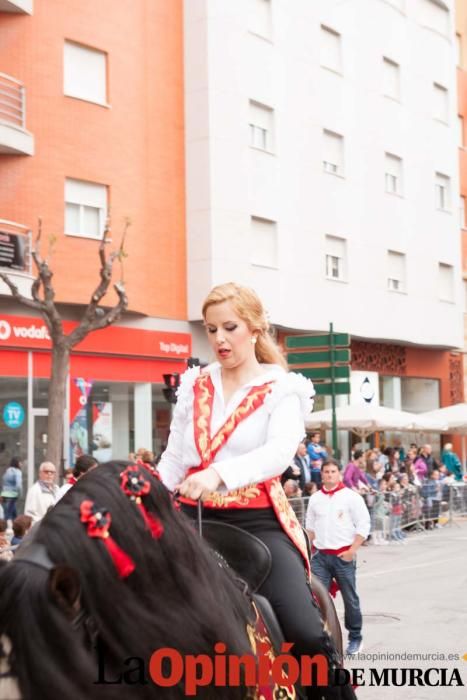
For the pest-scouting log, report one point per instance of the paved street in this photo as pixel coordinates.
(414, 600)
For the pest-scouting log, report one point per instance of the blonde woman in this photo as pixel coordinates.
(235, 429)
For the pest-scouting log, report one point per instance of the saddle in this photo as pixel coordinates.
(251, 560)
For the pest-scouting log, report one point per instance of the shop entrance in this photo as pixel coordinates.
(37, 442)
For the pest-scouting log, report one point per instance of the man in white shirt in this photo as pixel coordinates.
(43, 494)
(338, 522)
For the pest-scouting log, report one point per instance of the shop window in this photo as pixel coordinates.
(13, 420)
(102, 421)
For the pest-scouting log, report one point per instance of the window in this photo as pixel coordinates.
(333, 153)
(462, 211)
(261, 123)
(85, 73)
(434, 14)
(264, 242)
(391, 78)
(446, 282)
(335, 258)
(443, 191)
(396, 271)
(259, 21)
(440, 102)
(85, 208)
(393, 174)
(330, 49)
(458, 50)
(461, 131)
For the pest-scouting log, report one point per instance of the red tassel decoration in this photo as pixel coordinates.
(98, 521)
(135, 484)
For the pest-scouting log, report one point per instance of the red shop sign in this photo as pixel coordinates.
(29, 332)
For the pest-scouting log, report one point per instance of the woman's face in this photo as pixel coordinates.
(228, 335)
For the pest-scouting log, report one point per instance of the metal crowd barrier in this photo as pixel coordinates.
(412, 509)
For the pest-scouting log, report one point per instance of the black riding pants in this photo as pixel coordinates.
(286, 587)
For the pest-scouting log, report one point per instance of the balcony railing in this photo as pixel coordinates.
(13, 135)
(24, 6)
(12, 101)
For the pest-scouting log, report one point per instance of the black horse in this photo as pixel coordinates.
(111, 575)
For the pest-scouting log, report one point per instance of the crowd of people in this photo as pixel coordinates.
(402, 490)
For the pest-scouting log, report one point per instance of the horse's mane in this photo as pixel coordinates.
(178, 596)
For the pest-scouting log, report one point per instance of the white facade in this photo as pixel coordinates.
(291, 111)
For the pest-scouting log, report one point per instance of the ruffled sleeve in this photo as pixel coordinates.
(171, 467)
(289, 384)
(185, 390)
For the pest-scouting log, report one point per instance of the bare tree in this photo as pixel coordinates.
(93, 318)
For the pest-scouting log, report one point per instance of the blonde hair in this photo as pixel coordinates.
(248, 307)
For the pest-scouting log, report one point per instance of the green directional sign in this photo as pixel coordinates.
(320, 356)
(324, 372)
(318, 341)
(333, 388)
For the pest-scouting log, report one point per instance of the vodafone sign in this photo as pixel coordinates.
(13, 330)
(32, 333)
(7, 331)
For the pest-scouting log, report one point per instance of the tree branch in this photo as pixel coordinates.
(95, 324)
(90, 314)
(32, 303)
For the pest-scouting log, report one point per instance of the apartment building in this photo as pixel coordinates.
(91, 122)
(322, 169)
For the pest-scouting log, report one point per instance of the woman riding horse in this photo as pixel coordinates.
(236, 426)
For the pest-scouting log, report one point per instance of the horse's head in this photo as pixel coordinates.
(113, 561)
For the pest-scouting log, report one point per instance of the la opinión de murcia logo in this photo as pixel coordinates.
(34, 332)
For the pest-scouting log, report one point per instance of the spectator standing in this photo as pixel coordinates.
(43, 493)
(450, 460)
(302, 460)
(426, 456)
(82, 465)
(354, 476)
(5, 552)
(431, 494)
(315, 449)
(12, 487)
(338, 523)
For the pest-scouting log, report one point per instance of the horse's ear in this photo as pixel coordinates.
(65, 588)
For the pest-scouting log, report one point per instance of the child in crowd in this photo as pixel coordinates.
(5, 553)
(21, 526)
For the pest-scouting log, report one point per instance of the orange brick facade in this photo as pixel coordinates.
(135, 146)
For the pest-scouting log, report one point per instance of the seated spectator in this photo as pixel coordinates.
(21, 526)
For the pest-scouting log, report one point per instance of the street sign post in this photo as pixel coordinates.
(332, 352)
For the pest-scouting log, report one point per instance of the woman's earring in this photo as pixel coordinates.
(253, 339)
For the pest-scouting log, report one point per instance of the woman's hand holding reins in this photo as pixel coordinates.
(199, 485)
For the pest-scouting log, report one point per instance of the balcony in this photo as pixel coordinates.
(24, 6)
(15, 257)
(14, 138)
